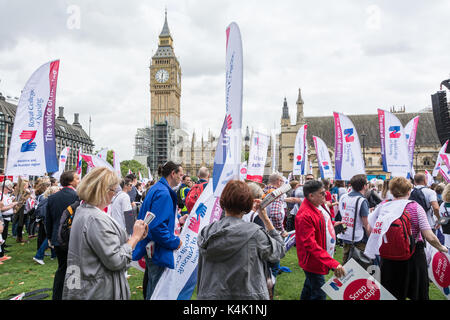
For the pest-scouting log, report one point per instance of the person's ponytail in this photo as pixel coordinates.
(166, 169)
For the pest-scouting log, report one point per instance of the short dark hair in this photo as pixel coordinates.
(236, 197)
(358, 182)
(166, 169)
(67, 177)
(311, 186)
(131, 176)
(125, 181)
(186, 176)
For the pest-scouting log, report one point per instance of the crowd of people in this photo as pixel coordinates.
(240, 254)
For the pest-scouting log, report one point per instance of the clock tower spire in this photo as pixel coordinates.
(165, 81)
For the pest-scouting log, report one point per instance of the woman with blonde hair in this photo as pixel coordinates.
(404, 270)
(99, 248)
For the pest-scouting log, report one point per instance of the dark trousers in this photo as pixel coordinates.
(312, 287)
(60, 274)
(154, 274)
(409, 278)
(4, 236)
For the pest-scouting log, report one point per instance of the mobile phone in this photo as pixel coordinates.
(340, 228)
(149, 217)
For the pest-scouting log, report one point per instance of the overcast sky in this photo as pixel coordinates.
(347, 56)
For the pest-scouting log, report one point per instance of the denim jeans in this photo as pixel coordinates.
(154, 274)
(312, 287)
(44, 246)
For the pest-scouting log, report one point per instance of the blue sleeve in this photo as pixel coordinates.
(364, 211)
(159, 227)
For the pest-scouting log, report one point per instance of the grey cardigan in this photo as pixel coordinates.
(232, 259)
(98, 257)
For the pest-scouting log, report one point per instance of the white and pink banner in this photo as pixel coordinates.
(301, 152)
(357, 284)
(274, 152)
(394, 145)
(439, 161)
(410, 133)
(179, 283)
(116, 165)
(62, 162)
(33, 143)
(79, 162)
(257, 156)
(103, 154)
(439, 270)
(243, 171)
(94, 161)
(348, 159)
(445, 167)
(323, 158)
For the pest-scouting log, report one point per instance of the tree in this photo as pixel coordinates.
(135, 167)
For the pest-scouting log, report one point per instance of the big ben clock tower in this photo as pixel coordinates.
(165, 82)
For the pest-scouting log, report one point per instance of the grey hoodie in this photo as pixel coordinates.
(232, 259)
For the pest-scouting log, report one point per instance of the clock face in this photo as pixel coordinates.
(162, 75)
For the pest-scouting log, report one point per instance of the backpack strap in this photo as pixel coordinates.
(354, 219)
(69, 208)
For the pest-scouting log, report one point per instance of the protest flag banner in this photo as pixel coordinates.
(79, 162)
(429, 178)
(300, 151)
(348, 159)
(357, 284)
(257, 156)
(243, 171)
(439, 270)
(62, 162)
(410, 134)
(94, 161)
(116, 164)
(150, 177)
(179, 283)
(439, 161)
(323, 158)
(394, 145)
(274, 152)
(33, 144)
(102, 154)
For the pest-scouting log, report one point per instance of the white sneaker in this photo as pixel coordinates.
(39, 261)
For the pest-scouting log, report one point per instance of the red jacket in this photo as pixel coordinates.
(311, 240)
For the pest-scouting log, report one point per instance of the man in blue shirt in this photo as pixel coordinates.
(348, 203)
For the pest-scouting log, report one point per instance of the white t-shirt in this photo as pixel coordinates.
(430, 195)
(120, 203)
(330, 234)
(7, 200)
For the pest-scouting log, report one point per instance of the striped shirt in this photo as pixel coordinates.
(419, 220)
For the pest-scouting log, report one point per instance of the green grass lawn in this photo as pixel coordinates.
(22, 274)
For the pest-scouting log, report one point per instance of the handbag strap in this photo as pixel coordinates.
(354, 219)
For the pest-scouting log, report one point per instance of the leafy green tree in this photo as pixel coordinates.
(135, 167)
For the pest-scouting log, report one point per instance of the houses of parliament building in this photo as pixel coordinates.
(165, 139)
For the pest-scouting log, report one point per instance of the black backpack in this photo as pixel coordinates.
(418, 196)
(65, 224)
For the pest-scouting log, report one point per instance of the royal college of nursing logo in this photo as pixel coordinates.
(336, 284)
(28, 145)
(325, 165)
(349, 137)
(299, 159)
(394, 132)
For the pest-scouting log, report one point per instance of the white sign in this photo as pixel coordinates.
(257, 156)
(439, 270)
(301, 151)
(357, 284)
